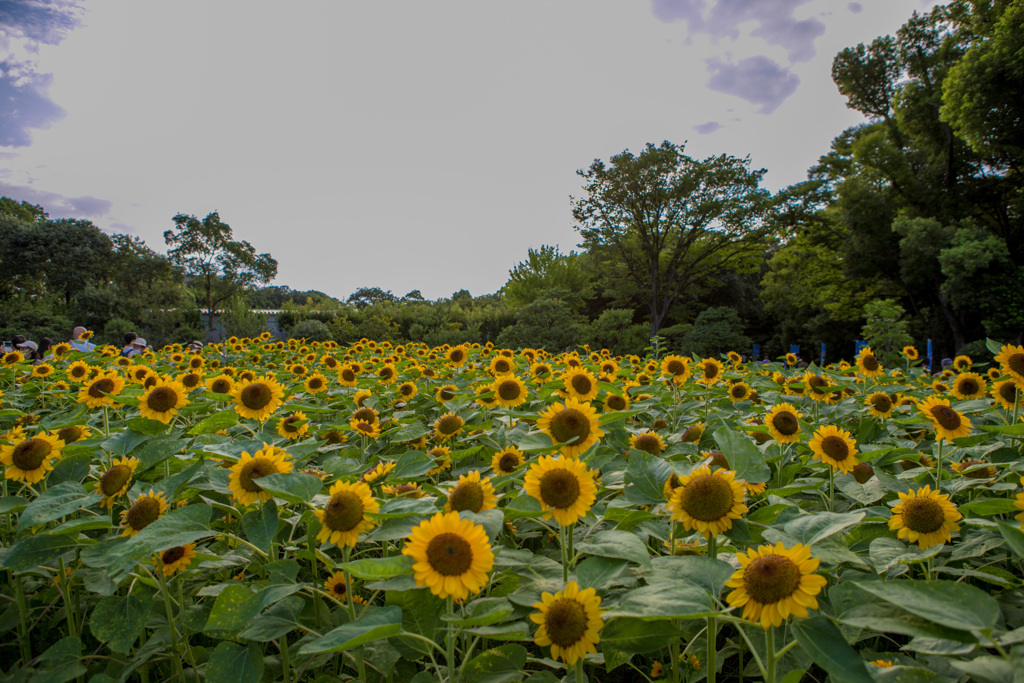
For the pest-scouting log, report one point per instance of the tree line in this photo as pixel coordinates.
(909, 227)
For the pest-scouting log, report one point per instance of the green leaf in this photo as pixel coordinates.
(380, 568)
(894, 556)
(410, 433)
(58, 501)
(482, 612)
(490, 520)
(664, 601)
(645, 479)
(534, 441)
(260, 525)
(636, 636)
(232, 663)
(237, 605)
(619, 545)
(123, 443)
(34, 551)
(810, 529)
(502, 664)
(745, 458)
(146, 426)
(158, 450)
(522, 507)
(382, 623)
(595, 572)
(70, 468)
(951, 604)
(225, 419)
(293, 487)
(420, 612)
(119, 619)
(986, 507)
(279, 619)
(820, 639)
(708, 573)
(1013, 536)
(994, 347)
(412, 465)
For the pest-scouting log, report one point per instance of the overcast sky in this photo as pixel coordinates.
(402, 144)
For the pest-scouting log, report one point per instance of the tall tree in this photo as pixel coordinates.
(218, 265)
(671, 220)
(547, 273)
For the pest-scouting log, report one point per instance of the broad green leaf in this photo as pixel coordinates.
(119, 619)
(820, 639)
(420, 613)
(70, 468)
(58, 501)
(260, 525)
(279, 619)
(293, 487)
(409, 433)
(382, 623)
(380, 568)
(744, 457)
(708, 573)
(35, 551)
(620, 545)
(482, 612)
(664, 601)
(123, 443)
(490, 520)
(534, 441)
(232, 663)
(503, 664)
(1013, 537)
(412, 465)
(894, 556)
(146, 426)
(237, 605)
(225, 419)
(595, 572)
(522, 507)
(636, 636)
(952, 604)
(156, 451)
(986, 507)
(645, 479)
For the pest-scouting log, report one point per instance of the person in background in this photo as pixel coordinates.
(29, 349)
(44, 349)
(128, 339)
(79, 344)
(137, 346)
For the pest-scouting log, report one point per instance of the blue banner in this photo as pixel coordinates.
(794, 348)
(757, 352)
(929, 354)
(823, 354)
(857, 346)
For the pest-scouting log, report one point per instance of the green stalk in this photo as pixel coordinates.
(450, 640)
(579, 670)
(565, 553)
(712, 633)
(26, 644)
(831, 489)
(346, 554)
(69, 610)
(771, 662)
(938, 468)
(175, 657)
(286, 668)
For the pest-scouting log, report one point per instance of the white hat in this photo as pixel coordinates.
(28, 345)
(139, 341)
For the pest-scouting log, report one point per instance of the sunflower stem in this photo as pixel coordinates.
(771, 663)
(938, 468)
(565, 554)
(26, 644)
(579, 670)
(712, 634)
(831, 489)
(450, 640)
(170, 624)
(181, 608)
(69, 611)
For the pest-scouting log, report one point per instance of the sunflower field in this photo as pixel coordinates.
(284, 511)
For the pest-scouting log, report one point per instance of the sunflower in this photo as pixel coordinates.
(541, 372)
(249, 468)
(221, 384)
(60, 349)
(968, 385)
(735, 358)
(162, 401)
(452, 556)
(707, 501)
(344, 516)
(408, 390)
(981, 469)
(114, 482)
(360, 397)
(445, 393)
(647, 441)
(363, 428)
(442, 459)
(138, 374)
(962, 363)
(77, 371)
(13, 358)
(191, 380)
(378, 471)
(568, 622)
(910, 353)
(471, 494)
(348, 376)
(146, 509)
(386, 374)
(457, 356)
(507, 460)
(73, 433)
(710, 371)
(939, 387)
(924, 517)
(509, 391)
(879, 404)
(1019, 504)
(257, 399)
(42, 370)
(294, 426)
(315, 383)
(1011, 358)
(563, 485)
(792, 359)
(783, 422)
(867, 364)
(835, 447)
(693, 434)
(337, 587)
(176, 559)
(447, 426)
(615, 402)
(580, 384)
(948, 422)
(676, 367)
(28, 459)
(500, 365)
(571, 420)
(1006, 394)
(101, 391)
(774, 582)
(740, 391)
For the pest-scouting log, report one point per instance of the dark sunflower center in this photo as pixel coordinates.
(347, 375)
(141, 373)
(968, 386)
(365, 415)
(582, 384)
(508, 463)
(256, 396)
(292, 423)
(771, 578)
(785, 423)
(150, 382)
(253, 470)
(315, 383)
(456, 356)
(569, 423)
(738, 391)
(1016, 363)
(143, 512)
(406, 389)
(559, 489)
(923, 515)
(173, 555)
(386, 373)
(114, 479)
(835, 448)
(100, 387)
(191, 380)
(719, 460)
(339, 589)
(566, 622)
(509, 390)
(502, 366)
(1008, 392)
(817, 384)
(449, 554)
(710, 371)
(365, 427)
(946, 417)
(220, 386)
(78, 372)
(881, 403)
(30, 454)
(647, 443)
(450, 424)
(870, 363)
(862, 472)
(70, 434)
(467, 496)
(334, 436)
(692, 434)
(343, 512)
(162, 399)
(541, 370)
(446, 394)
(676, 367)
(615, 402)
(707, 498)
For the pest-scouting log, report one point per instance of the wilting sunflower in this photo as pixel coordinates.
(867, 364)
(707, 501)
(344, 516)
(775, 582)
(447, 426)
(471, 494)
(176, 559)
(101, 390)
(571, 420)
(563, 485)
(647, 441)
(973, 469)
(580, 384)
(249, 468)
(452, 556)
(710, 371)
(568, 622)
(693, 434)
(315, 383)
(968, 385)
(1011, 358)
(28, 459)
(257, 399)
(910, 353)
(924, 517)
(293, 426)
(614, 402)
(162, 401)
(1006, 394)
(879, 404)
(507, 460)
(677, 368)
(948, 422)
(146, 509)
(509, 391)
(114, 482)
(783, 422)
(221, 384)
(740, 391)
(835, 447)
